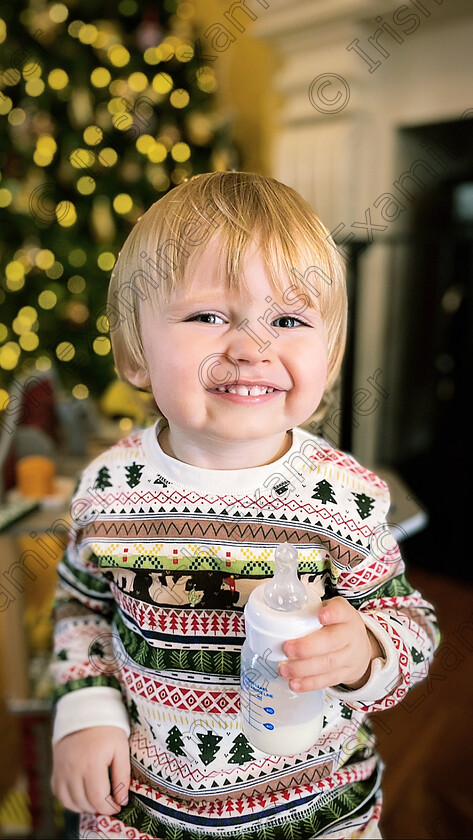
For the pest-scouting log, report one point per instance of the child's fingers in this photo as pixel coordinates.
(318, 668)
(120, 775)
(330, 638)
(336, 610)
(97, 793)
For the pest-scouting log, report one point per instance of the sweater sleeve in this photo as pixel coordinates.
(404, 624)
(85, 655)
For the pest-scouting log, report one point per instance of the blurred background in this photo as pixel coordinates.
(363, 106)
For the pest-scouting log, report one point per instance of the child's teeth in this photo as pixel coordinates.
(247, 390)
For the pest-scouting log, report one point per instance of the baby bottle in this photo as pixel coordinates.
(276, 719)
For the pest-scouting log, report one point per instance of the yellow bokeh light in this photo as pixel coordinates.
(3, 332)
(178, 174)
(184, 52)
(56, 271)
(28, 341)
(103, 38)
(82, 158)
(88, 33)
(85, 185)
(123, 121)
(43, 363)
(119, 88)
(116, 106)
(179, 98)
(144, 143)
(75, 27)
(58, 79)
(138, 82)
(102, 345)
(5, 197)
(58, 12)
(3, 30)
(108, 156)
(76, 284)
(77, 257)
(14, 270)
(102, 323)
(180, 152)
(28, 313)
(5, 104)
(21, 325)
(9, 355)
(46, 145)
(122, 203)
(125, 424)
(93, 135)
(106, 260)
(32, 70)
(47, 299)
(152, 55)
(158, 177)
(4, 399)
(206, 80)
(66, 213)
(157, 153)
(34, 87)
(118, 55)
(167, 49)
(41, 159)
(162, 83)
(80, 392)
(100, 77)
(11, 76)
(44, 259)
(16, 116)
(65, 351)
(15, 285)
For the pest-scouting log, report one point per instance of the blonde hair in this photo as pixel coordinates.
(162, 251)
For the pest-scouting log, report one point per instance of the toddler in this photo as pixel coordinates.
(228, 302)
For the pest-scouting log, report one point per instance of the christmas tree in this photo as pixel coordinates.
(104, 107)
(364, 504)
(241, 750)
(324, 492)
(174, 741)
(208, 747)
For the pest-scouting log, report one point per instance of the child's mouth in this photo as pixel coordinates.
(246, 393)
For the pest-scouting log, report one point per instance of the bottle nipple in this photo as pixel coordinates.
(285, 591)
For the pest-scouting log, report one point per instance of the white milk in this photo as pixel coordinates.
(285, 740)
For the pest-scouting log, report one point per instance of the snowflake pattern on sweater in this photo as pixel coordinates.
(149, 628)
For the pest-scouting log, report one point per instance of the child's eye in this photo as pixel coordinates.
(288, 321)
(207, 318)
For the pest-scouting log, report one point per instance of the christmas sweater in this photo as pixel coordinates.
(149, 625)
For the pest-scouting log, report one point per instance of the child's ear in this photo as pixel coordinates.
(139, 378)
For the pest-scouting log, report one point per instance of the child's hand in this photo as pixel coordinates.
(340, 652)
(80, 777)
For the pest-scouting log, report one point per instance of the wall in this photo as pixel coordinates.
(244, 68)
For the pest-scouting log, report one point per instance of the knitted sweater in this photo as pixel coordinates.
(149, 626)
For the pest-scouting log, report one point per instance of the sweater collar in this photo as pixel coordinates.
(218, 481)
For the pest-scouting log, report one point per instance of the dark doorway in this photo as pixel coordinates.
(431, 441)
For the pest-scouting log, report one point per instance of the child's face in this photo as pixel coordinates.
(202, 338)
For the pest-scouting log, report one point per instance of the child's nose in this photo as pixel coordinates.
(249, 345)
